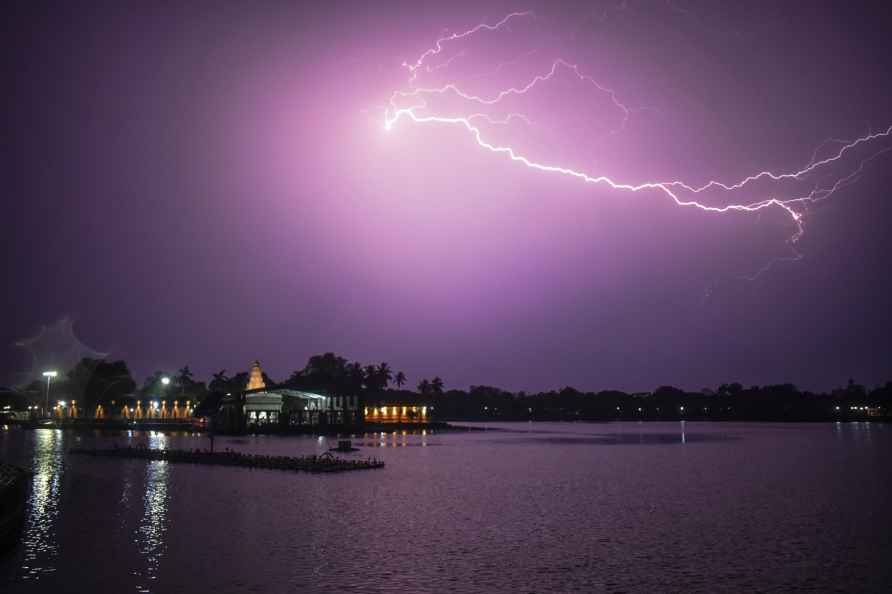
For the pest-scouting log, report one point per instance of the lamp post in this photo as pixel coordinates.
(165, 381)
(49, 375)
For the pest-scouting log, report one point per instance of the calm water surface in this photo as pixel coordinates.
(541, 507)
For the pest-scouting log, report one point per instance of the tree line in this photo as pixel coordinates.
(783, 402)
(95, 381)
(110, 383)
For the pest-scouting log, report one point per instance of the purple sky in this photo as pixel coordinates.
(212, 183)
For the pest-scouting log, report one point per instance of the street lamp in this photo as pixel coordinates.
(165, 381)
(49, 375)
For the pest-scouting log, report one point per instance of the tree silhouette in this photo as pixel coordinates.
(184, 380)
(219, 382)
(371, 377)
(385, 374)
(327, 372)
(93, 381)
(335, 374)
(238, 382)
(355, 377)
(99, 382)
(437, 385)
(152, 385)
(184, 374)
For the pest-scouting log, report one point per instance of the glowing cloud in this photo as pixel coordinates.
(412, 105)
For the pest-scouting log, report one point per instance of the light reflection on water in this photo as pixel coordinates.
(40, 546)
(544, 507)
(396, 439)
(149, 536)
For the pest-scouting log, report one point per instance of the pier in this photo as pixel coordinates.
(316, 464)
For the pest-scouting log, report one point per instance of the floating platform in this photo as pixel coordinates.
(324, 463)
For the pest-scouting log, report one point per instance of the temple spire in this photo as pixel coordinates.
(255, 380)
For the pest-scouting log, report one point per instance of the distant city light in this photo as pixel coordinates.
(62, 403)
(50, 373)
(165, 380)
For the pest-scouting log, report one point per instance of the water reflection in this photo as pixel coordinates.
(39, 542)
(397, 439)
(149, 537)
(306, 533)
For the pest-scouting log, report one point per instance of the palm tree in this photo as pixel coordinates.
(355, 377)
(371, 377)
(437, 385)
(184, 379)
(385, 374)
(399, 379)
(219, 381)
(424, 386)
(185, 373)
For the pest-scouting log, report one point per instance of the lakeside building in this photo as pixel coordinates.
(399, 408)
(260, 405)
(398, 413)
(70, 413)
(151, 410)
(164, 410)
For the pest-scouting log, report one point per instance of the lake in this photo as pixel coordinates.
(520, 507)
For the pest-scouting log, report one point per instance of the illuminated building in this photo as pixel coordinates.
(265, 405)
(255, 379)
(398, 412)
(260, 406)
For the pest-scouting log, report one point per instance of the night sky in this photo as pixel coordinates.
(212, 183)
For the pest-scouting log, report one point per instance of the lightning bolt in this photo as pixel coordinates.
(498, 97)
(438, 45)
(412, 104)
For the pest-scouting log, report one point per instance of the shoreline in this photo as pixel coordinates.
(451, 426)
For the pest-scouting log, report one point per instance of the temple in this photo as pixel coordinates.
(280, 406)
(260, 407)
